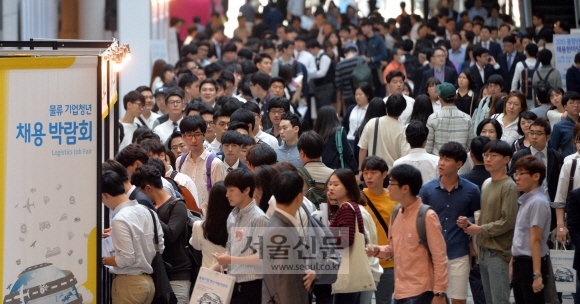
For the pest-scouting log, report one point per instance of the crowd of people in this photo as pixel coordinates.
(448, 142)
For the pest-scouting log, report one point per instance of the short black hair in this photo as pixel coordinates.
(242, 179)
(500, 147)
(130, 154)
(453, 150)
(529, 115)
(396, 104)
(407, 175)
(570, 95)
(544, 123)
(262, 79)
(286, 186)
(192, 123)
(115, 166)
(416, 133)
(375, 163)
(133, 96)
(311, 144)
(112, 183)
(476, 147)
(147, 175)
(232, 137)
(260, 155)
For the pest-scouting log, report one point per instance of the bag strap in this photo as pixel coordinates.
(155, 238)
(377, 214)
(572, 172)
(376, 134)
(208, 162)
(338, 139)
(183, 157)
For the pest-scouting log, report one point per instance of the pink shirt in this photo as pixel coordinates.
(414, 272)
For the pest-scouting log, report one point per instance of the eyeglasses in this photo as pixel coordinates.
(489, 155)
(178, 147)
(174, 102)
(190, 135)
(518, 174)
(534, 134)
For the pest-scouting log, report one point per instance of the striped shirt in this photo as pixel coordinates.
(246, 228)
(343, 77)
(449, 124)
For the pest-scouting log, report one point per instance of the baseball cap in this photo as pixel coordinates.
(446, 90)
(161, 90)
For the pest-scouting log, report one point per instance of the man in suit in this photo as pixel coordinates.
(484, 67)
(281, 286)
(508, 61)
(485, 41)
(539, 136)
(440, 70)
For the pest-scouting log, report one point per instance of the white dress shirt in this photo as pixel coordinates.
(425, 162)
(132, 236)
(165, 129)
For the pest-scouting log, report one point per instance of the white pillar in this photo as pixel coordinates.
(92, 20)
(9, 21)
(134, 25)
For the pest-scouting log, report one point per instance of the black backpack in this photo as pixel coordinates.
(527, 79)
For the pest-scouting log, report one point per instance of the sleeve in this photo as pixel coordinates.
(348, 155)
(438, 251)
(324, 66)
(509, 212)
(217, 171)
(562, 190)
(175, 226)
(363, 143)
(431, 136)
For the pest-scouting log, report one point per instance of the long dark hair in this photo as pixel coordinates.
(348, 180)
(218, 209)
(422, 108)
(375, 109)
(326, 122)
(264, 176)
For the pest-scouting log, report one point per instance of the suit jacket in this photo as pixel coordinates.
(282, 288)
(555, 161)
(488, 70)
(450, 76)
(508, 75)
(494, 49)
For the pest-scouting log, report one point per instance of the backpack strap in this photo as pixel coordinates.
(338, 139)
(376, 212)
(208, 170)
(183, 157)
(376, 134)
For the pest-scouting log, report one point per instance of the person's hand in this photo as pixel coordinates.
(308, 279)
(561, 233)
(472, 229)
(223, 259)
(537, 285)
(106, 233)
(438, 300)
(372, 250)
(462, 222)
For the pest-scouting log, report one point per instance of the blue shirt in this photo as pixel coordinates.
(561, 135)
(457, 58)
(463, 200)
(534, 211)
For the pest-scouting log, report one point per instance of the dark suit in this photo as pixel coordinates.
(142, 198)
(488, 70)
(555, 161)
(477, 175)
(449, 76)
(508, 75)
(494, 48)
(280, 287)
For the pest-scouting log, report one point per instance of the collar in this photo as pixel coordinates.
(131, 190)
(237, 212)
(534, 151)
(291, 218)
(522, 200)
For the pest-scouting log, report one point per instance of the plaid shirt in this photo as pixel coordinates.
(449, 124)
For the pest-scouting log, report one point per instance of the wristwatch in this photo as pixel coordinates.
(441, 295)
(536, 275)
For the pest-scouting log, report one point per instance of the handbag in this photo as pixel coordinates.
(163, 291)
(354, 274)
(212, 287)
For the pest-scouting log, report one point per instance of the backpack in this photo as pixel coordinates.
(339, 147)
(185, 193)
(421, 229)
(527, 79)
(207, 167)
(361, 73)
(316, 188)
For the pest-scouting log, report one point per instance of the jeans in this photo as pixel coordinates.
(424, 298)
(386, 286)
(181, 290)
(494, 277)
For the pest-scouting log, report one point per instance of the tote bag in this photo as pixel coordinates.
(354, 274)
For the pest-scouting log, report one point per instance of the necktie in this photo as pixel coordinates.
(509, 61)
(175, 127)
